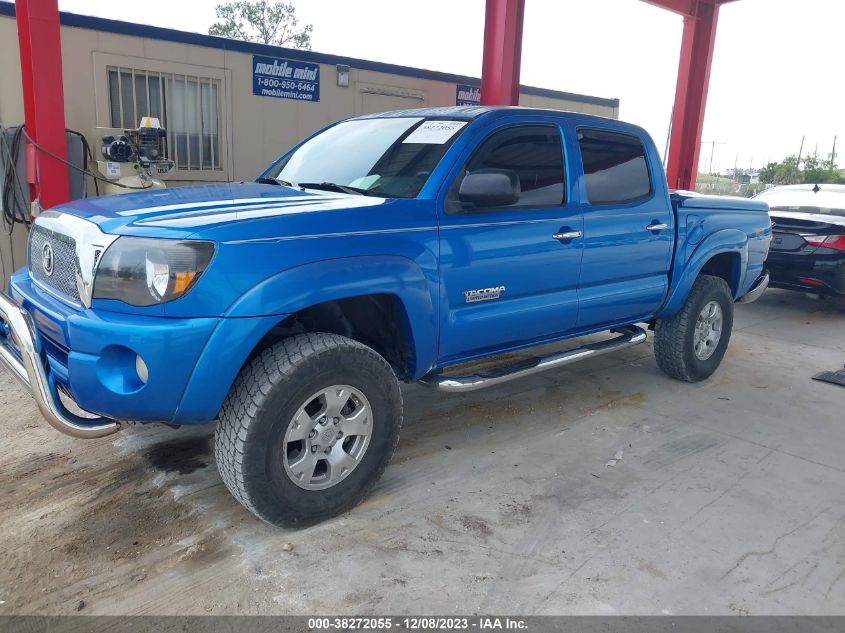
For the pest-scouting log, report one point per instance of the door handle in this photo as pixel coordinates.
(657, 226)
(568, 235)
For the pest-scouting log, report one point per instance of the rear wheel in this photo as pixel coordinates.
(308, 429)
(690, 345)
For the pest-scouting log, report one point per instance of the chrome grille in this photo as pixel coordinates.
(63, 279)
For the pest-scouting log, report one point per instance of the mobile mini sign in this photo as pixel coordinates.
(285, 79)
(466, 95)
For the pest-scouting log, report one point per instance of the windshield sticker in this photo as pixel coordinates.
(434, 132)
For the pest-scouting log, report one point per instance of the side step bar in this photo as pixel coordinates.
(630, 336)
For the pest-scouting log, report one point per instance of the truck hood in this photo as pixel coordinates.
(184, 211)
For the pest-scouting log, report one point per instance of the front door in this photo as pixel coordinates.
(509, 274)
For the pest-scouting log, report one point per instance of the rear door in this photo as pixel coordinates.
(628, 228)
(506, 280)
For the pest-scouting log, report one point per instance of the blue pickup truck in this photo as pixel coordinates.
(384, 248)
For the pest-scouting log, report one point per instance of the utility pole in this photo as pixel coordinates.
(833, 155)
(713, 145)
(801, 150)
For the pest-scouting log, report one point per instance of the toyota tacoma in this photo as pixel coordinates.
(384, 248)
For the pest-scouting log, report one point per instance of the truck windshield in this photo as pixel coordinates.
(389, 157)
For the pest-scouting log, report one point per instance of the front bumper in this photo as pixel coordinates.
(17, 332)
(90, 355)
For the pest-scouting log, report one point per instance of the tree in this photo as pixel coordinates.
(811, 170)
(767, 174)
(788, 172)
(264, 22)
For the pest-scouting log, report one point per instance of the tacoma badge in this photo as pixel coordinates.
(485, 294)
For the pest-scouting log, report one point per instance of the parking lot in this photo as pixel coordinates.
(728, 499)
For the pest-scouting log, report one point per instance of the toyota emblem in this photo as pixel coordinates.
(47, 259)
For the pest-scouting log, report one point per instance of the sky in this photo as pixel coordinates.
(776, 73)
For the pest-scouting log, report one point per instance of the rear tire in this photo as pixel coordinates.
(280, 443)
(690, 345)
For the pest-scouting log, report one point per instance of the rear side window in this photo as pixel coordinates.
(615, 166)
(533, 152)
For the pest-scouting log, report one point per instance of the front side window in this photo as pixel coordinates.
(533, 152)
(186, 106)
(389, 157)
(615, 167)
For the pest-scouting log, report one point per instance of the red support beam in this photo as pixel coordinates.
(502, 52)
(684, 7)
(43, 96)
(691, 92)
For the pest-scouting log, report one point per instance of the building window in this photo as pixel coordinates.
(188, 108)
(615, 167)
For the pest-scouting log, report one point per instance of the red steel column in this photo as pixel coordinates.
(502, 52)
(43, 95)
(691, 94)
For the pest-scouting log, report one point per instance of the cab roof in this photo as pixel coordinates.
(470, 112)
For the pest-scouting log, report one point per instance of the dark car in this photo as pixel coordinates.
(808, 238)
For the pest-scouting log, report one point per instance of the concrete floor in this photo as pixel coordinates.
(728, 500)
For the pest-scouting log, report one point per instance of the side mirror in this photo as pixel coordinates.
(490, 188)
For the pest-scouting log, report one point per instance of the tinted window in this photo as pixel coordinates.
(615, 166)
(533, 152)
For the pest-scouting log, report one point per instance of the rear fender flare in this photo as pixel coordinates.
(724, 241)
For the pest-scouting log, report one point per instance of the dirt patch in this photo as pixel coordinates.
(77, 520)
(182, 456)
(628, 400)
(424, 437)
(516, 512)
(649, 568)
(476, 525)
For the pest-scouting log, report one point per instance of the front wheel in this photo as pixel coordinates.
(690, 345)
(308, 428)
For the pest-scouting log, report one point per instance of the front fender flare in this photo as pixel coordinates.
(724, 241)
(258, 310)
(310, 284)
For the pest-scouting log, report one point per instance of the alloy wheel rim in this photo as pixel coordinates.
(708, 330)
(327, 437)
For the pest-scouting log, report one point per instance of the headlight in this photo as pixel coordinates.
(146, 271)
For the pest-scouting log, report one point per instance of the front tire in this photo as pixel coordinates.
(308, 428)
(690, 345)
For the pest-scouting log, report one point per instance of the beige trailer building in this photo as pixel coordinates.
(229, 107)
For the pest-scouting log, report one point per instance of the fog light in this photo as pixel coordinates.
(141, 368)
